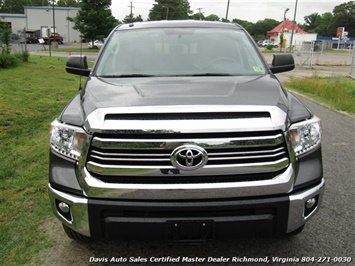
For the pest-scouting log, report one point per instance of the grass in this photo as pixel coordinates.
(31, 95)
(75, 49)
(336, 92)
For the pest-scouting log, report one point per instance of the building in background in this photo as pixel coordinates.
(40, 18)
(286, 27)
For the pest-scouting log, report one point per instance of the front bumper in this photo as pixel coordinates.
(187, 220)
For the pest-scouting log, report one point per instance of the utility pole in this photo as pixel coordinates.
(131, 6)
(293, 26)
(54, 17)
(227, 10)
(54, 31)
(199, 11)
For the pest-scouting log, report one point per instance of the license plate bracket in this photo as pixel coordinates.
(190, 231)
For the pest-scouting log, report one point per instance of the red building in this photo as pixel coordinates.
(285, 27)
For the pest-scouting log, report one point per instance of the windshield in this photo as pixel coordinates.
(179, 52)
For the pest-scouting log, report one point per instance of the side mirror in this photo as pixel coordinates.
(77, 65)
(282, 63)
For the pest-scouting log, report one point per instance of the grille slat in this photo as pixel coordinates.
(130, 159)
(212, 158)
(161, 144)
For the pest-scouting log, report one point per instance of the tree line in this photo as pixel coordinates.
(95, 20)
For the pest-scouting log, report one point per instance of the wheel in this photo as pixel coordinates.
(75, 235)
(296, 232)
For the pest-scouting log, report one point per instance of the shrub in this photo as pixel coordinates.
(24, 56)
(8, 60)
(12, 60)
(269, 47)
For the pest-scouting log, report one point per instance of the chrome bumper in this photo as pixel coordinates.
(297, 217)
(79, 221)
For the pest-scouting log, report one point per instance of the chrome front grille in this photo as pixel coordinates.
(146, 158)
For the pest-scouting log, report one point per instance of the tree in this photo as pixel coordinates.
(212, 17)
(41, 2)
(263, 26)
(323, 29)
(68, 3)
(327, 23)
(170, 10)
(5, 37)
(198, 16)
(130, 18)
(259, 29)
(94, 20)
(14, 6)
(249, 26)
(319, 24)
(312, 22)
(344, 16)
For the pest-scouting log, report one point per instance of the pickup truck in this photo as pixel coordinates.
(183, 133)
(53, 38)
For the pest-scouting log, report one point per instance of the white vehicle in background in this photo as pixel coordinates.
(268, 42)
(97, 44)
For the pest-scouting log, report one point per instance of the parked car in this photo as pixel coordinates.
(268, 42)
(30, 38)
(182, 132)
(97, 44)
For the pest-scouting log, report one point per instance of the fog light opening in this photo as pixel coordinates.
(64, 207)
(64, 210)
(310, 206)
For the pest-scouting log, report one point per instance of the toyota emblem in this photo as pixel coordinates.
(189, 157)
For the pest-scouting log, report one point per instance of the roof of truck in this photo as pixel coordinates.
(178, 23)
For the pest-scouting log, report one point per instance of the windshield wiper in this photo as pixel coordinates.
(210, 74)
(148, 75)
(126, 76)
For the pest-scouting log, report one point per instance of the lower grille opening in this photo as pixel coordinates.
(208, 212)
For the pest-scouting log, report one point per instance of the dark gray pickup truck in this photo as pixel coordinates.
(183, 133)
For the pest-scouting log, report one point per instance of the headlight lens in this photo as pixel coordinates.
(67, 140)
(305, 135)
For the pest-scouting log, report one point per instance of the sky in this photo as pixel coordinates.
(242, 9)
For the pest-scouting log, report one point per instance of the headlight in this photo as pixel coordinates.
(305, 135)
(67, 140)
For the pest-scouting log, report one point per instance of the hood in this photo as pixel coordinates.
(178, 91)
(106, 93)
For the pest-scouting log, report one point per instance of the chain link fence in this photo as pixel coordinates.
(325, 54)
(352, 69)
(308, 54)
(303, 54)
